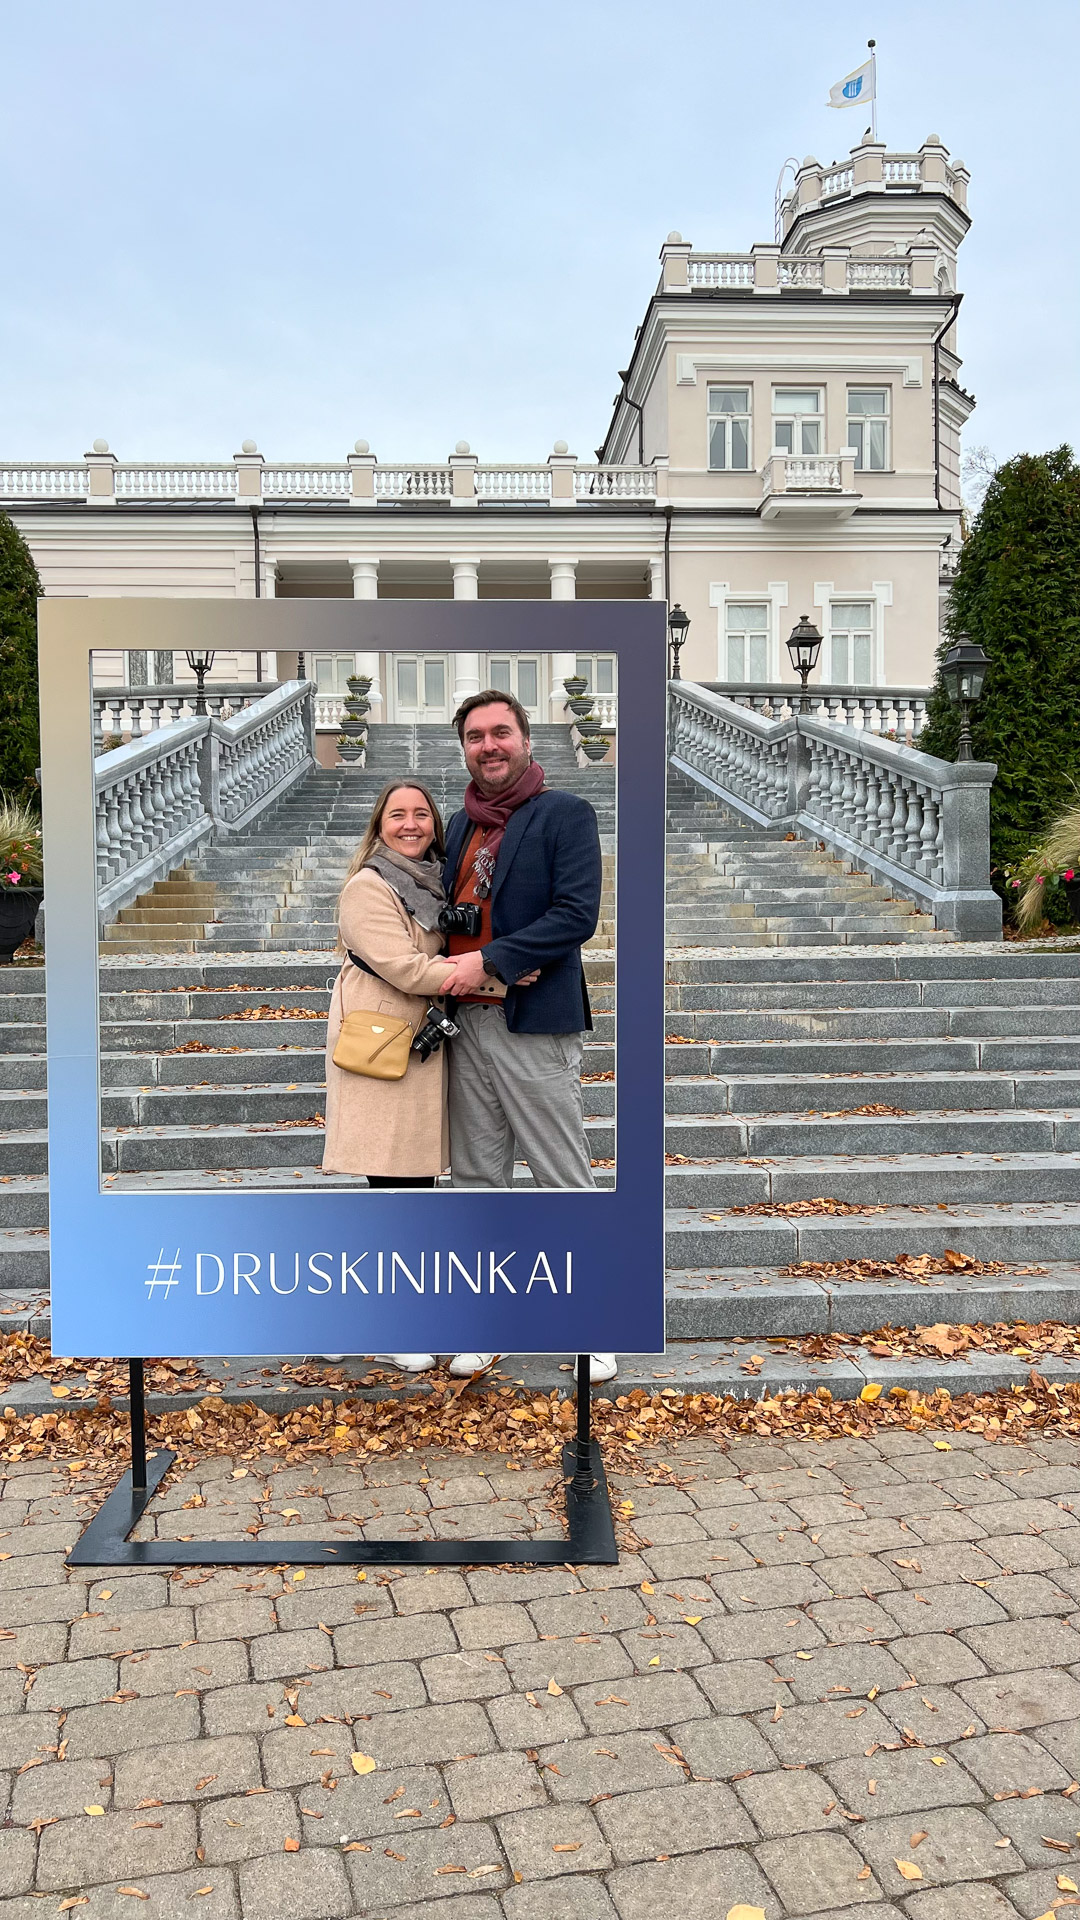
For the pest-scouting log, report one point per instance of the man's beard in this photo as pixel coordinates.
(499, 775)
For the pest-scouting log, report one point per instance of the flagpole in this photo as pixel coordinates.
(873, 89)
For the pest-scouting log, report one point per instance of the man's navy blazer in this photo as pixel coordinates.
(545, 902)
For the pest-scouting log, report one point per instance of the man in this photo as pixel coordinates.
(529, 858)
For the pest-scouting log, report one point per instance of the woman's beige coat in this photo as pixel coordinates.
(385, 1126)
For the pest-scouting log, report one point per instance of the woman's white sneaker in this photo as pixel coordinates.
(602, 1366)
(464, 1364)
(410, 1362)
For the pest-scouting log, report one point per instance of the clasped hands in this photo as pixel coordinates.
(468, 974)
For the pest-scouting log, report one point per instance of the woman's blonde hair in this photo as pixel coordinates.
(373, 832)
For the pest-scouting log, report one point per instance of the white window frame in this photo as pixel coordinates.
(796, 422)
(880, 595)
(856, 421)
(592, 659)
(727, 417)
(776, 596)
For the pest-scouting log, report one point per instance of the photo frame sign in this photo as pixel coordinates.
(245, 1271)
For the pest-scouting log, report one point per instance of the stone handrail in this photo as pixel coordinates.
(362, 482)
(900, 710)
(163, 795)
(915, 823)
(129, 708)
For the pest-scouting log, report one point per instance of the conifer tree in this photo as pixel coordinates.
(19, 590)
(1017, 592)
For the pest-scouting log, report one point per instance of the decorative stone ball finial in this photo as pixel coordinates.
(101, 446)
(462, 446)
(932, 140)
(674, 237)
(362, 446)
(249, 446)
(560, 447)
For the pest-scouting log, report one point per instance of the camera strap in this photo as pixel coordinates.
(363, 966)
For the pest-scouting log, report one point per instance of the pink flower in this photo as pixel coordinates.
(1069, 874)
(14, 878)
(1016, 883)
(1039, 877)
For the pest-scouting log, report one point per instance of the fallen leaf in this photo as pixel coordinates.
(646, 1588)
(943, 1446)
(871, 1392)
(566, 1846)
(743, 1912)
(553, 1687)
(863, 1873)
(692, 1619)
(655, 1661)
(78, 1900)
(909, 1870)
(94, 1810)
(135, 1892)
(804, 1656)
(294, 1720)
(291, 1845)
(937, 1760)
(363, 1763)
(1067, 1885)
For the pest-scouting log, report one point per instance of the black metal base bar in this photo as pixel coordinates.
(589, 1540)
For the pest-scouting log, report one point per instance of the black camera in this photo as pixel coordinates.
(437, 1027)
(460, 920)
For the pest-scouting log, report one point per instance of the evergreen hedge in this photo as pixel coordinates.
(19, 590)
(1017, 591)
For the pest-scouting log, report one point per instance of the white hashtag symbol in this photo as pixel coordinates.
(159, 1266)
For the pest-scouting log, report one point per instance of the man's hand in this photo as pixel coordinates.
(468, 974)
(527, 979)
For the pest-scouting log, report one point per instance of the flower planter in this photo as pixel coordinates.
(18, 911)
(595, 747)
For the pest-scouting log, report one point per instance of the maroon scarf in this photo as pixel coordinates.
(493, 812)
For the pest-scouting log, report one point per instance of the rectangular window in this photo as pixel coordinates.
(528, 684)
(434, 683)
(597, 670)
(798, 420)
(499, 676)
(747, 640)
(332, 671)
(407, 684)
(868, 427)
(729, 429)
(851, 632)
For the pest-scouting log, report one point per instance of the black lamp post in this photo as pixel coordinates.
(964, 673)
(678, 628)
(804, 645)
(200, 664)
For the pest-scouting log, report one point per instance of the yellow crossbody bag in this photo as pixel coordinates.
(374, 1044)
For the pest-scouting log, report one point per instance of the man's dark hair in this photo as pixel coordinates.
(488, 698)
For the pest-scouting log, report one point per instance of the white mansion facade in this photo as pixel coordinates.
(785, 440)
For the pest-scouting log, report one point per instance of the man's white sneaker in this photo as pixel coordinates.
(334, 1358)
(464, 1364)
(602, 1366)
(410, 1362)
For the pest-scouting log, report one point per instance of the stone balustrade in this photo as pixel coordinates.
(766, 270)
(164, 794)
(915, 823)
(888, 710)
(140, 710)
(250, 481)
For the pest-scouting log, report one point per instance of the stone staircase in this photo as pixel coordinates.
(823, 1042)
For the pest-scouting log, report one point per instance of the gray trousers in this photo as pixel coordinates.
(515, 1087)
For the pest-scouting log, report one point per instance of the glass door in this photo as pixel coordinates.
(519, 674)
(421, 688)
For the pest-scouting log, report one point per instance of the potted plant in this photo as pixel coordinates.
(21, 875)
(350, 746)
(1052, 868)
(594, 745)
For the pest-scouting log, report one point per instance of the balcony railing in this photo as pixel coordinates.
(870, 170)
(362, 482)
(136, 711)
(883, 710)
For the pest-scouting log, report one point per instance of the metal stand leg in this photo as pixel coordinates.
(590, 1531)
(137, 1403)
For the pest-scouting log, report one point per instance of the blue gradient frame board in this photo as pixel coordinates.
(353, 1271)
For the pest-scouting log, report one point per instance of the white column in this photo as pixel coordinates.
(466, 666)
(365, 586)
(563, 587)
(656, 579)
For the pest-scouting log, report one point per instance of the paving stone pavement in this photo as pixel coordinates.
(824, 1677)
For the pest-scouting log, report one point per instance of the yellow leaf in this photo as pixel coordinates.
(105, 1594)
(363, 1763)
(300, 1574)
(871, 1392)
(943, 1446)
(60, 1393)
(804, 1656)
(909, 1870)
(294, 1720)
(291, 1845)
(655, 1661)
(937, 1759)
(692, 1619)
(239, 1473)
(93, 1809)
(361, 1576)
(743, 1912)
(1067, 1885)
(647, 1588)
(554, 1687)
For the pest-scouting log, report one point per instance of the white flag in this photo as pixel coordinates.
(857, 87)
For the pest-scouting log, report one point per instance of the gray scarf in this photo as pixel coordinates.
(417, 883)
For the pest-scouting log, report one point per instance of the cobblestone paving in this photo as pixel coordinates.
(825, 1676)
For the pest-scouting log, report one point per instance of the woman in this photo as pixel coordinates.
(392, 1131)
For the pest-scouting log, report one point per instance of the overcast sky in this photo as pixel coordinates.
(421, 222)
